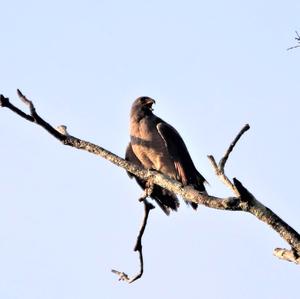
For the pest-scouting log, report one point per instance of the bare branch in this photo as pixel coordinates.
(219, 168)
(232, 145)
(27, 102)
(294, 47)
(33, 117)
(187, 192)
(4, 102)
(248, 203)
(263, 213)
(244, 200)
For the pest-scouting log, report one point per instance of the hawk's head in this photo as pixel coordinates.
(142, 106)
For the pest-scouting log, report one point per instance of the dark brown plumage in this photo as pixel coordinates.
(154, 144)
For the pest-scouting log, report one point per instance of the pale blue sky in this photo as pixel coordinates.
(68, 217)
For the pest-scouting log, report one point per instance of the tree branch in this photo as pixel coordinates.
(220, 168)
(243, 201)
(188, 192)
(250, 204)
(138, 245)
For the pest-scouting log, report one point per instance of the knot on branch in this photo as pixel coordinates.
(232, 203)
(63, 130)
(246, 197)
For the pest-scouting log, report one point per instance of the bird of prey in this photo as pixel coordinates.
(154, 144)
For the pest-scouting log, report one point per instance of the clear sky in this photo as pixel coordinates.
(68, 217)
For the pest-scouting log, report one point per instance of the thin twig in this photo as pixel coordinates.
(28, 103)
(220, 168)
(138, 246)
(297, 38)
(294, 47)
(232, 145)
(222, 176)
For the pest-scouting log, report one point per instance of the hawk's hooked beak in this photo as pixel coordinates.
(149, 103)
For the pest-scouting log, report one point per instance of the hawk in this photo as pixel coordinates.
(154, 144)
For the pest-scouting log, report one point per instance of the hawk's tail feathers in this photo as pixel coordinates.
(166, 200)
